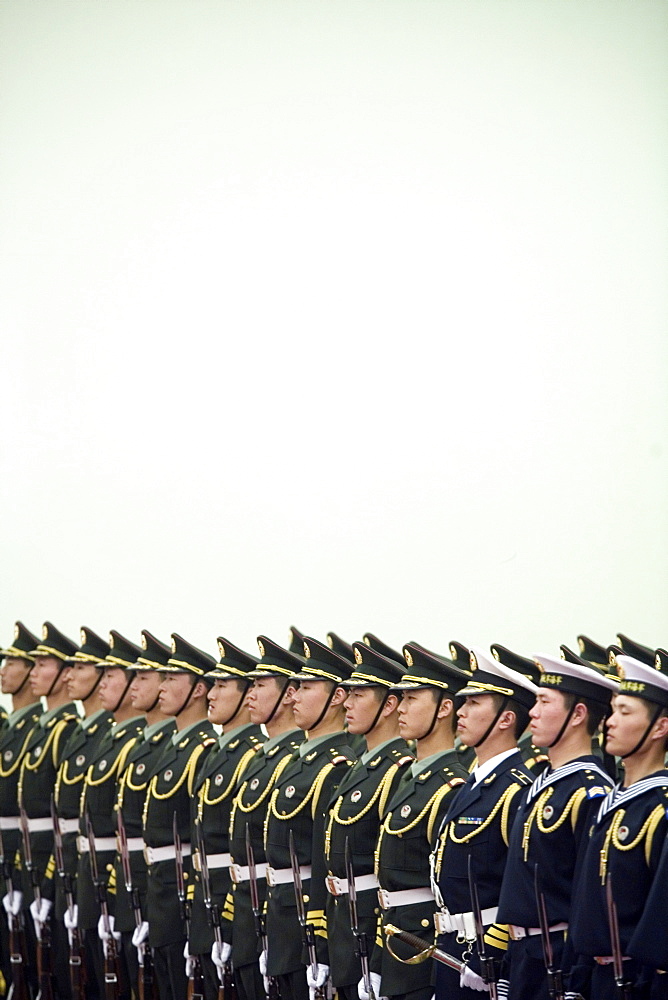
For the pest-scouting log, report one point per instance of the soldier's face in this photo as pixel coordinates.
(475, 717)
(416, 710)
(361, 709)
(13, 673)
(144, 690)
(223, 698)
(626, 725)
(48, 674)
(81, 680)
(308, 702)
(262, 698)
(112, 686)
(547, 717)
(174, 689)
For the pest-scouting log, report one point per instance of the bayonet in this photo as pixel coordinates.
(487, 962)
(147, 983)
(362, 949)
(555, 985)
(195, 979)
(226, 989)
(624, 987)
(44, 935)
(77, 967)
(112, 977)
(17, 939)
(273, 993)
(307, 929)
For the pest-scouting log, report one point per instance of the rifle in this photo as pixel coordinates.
(425, 949)
(362, 949)
(624, 987)
(487, 962)
(273, 993)
(17, 935)
(147, 983)
(307, 929)
(195, 977)
(113, 970)
(555, 985)
(226, 990)
(77, 967)
(44, 937)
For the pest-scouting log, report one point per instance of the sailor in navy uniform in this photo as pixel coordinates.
(183, 693)
(270, 705)
(629, 831)
(412, 819)
(217, 782)
(550, 829)
(99, 797)
(26, 710)
(39, 768)
(298, 805)
(476, 828)
(131, 792)
(356, 810)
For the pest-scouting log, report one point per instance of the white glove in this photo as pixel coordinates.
(220, 954)
(375, 986)
(263, 971)
(190, 961)
(140, 934)
(471, 980)
(40, 914)
(105, 934)
(317, 980)
(12, 903)
(71, 921)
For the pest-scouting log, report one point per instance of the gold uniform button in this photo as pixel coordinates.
(306, 899)
(425, 923)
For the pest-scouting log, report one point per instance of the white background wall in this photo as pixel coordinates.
(348, 315)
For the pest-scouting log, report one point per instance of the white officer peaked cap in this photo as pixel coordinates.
(575, 678)
(488, 676)
(642, 681)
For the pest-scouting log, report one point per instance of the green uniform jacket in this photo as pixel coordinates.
(39, 770)
(215, 787)
(131, 788)
(355, 815)
(78, 753)
(14, 739)
(408, 832)
(97, 801)
(250, 809)
(168, 794)
(298, 804)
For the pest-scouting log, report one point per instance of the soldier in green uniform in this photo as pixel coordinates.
(298, 804)
(99, 797)
(26, 710)
(183, 695)
(270, 704)
(413, 818)
(131, 793)
(355, 813)
(83, 685)
(39, 768)
(215, 787)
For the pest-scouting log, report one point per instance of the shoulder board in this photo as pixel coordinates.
(520, 776)
(257, 746)
(341, 760)
(232, 745)
(596, 792)
(403, 761)
(375, 762)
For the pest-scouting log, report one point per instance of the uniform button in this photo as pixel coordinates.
(306, 899)
(425, 923)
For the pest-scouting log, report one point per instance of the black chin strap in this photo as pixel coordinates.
(373, 725)
(189, 696)
(644, 736)
(100, 675)
(55, 680)
(493, 722)
(278, 702)
(131, 677)
(236, 711)
(326, 706)
(563, 728)
(441, 695)
(23, 682)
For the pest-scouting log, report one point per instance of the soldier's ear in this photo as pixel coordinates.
(339, 696)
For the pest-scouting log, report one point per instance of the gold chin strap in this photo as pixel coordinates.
(422, 956)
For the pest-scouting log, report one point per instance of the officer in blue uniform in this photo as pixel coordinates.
(476, 828)
(412, 819)
(550, 828)
(628, 834)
